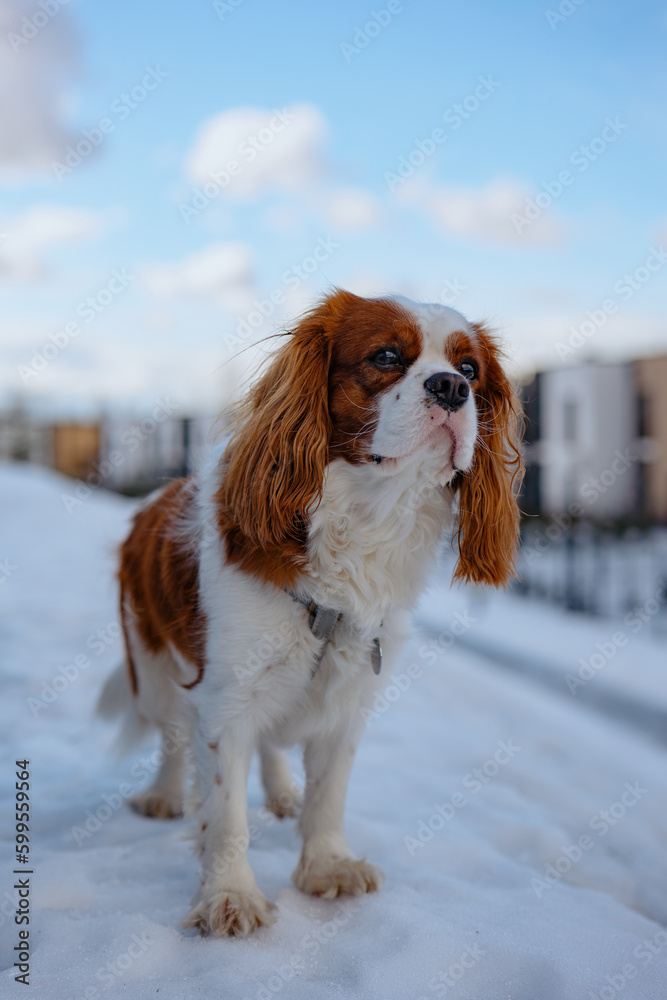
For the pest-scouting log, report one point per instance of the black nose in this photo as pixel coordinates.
(450, 390)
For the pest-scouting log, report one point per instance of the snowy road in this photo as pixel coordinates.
(523, 836)
(633, 709)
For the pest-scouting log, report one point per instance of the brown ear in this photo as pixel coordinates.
(488, 532)
(275, 462)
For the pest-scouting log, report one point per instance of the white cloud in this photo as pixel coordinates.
(245, 153)
(370, 282)
(532, 338)
(351, 209)
(25, 239)
(491, 214)
(220, 271)
(108, 371)
(273, 150)
(283, 218)
(32, 73)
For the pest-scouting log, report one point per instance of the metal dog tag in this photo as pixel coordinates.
(376, 656)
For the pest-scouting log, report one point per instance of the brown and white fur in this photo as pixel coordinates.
(338, 483)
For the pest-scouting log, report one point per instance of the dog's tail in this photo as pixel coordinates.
(117, 701)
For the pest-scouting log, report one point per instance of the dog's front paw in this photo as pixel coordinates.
(337, 877)
(228, 912)
(158, 803)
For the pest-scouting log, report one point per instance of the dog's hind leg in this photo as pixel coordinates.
(143, 692)
(283, 797)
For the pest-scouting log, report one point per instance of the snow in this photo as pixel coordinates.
(470, 910)
(617, 663)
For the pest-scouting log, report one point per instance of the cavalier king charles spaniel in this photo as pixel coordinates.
(261, 598)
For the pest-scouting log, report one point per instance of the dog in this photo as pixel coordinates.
(264, 600)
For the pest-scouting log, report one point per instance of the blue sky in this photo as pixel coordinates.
(548, 77)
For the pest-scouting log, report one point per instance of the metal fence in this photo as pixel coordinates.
(591, 569)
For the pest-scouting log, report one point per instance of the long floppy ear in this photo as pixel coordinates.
(275, 462)
(488, 532)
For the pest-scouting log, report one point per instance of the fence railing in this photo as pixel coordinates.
(587, 568)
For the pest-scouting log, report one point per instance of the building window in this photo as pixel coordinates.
(570, 420)
(642, 417)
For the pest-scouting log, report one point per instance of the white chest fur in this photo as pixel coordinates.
(374, 538)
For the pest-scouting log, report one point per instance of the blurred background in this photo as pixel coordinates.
(179, 183)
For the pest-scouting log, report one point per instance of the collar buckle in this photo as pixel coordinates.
(322, 622)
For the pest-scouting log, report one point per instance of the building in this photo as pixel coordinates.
(582, 450)
(23, 439)
(531, 493)
(128, 456)
(651, 382)
(75, 449)
(136, 456)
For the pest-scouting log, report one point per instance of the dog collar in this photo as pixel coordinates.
(322, 622)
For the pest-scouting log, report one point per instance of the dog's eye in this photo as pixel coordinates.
(386, 357)
(469, 370)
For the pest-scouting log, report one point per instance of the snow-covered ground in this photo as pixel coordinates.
(523, 834)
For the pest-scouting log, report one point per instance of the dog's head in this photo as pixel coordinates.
(377, 381)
